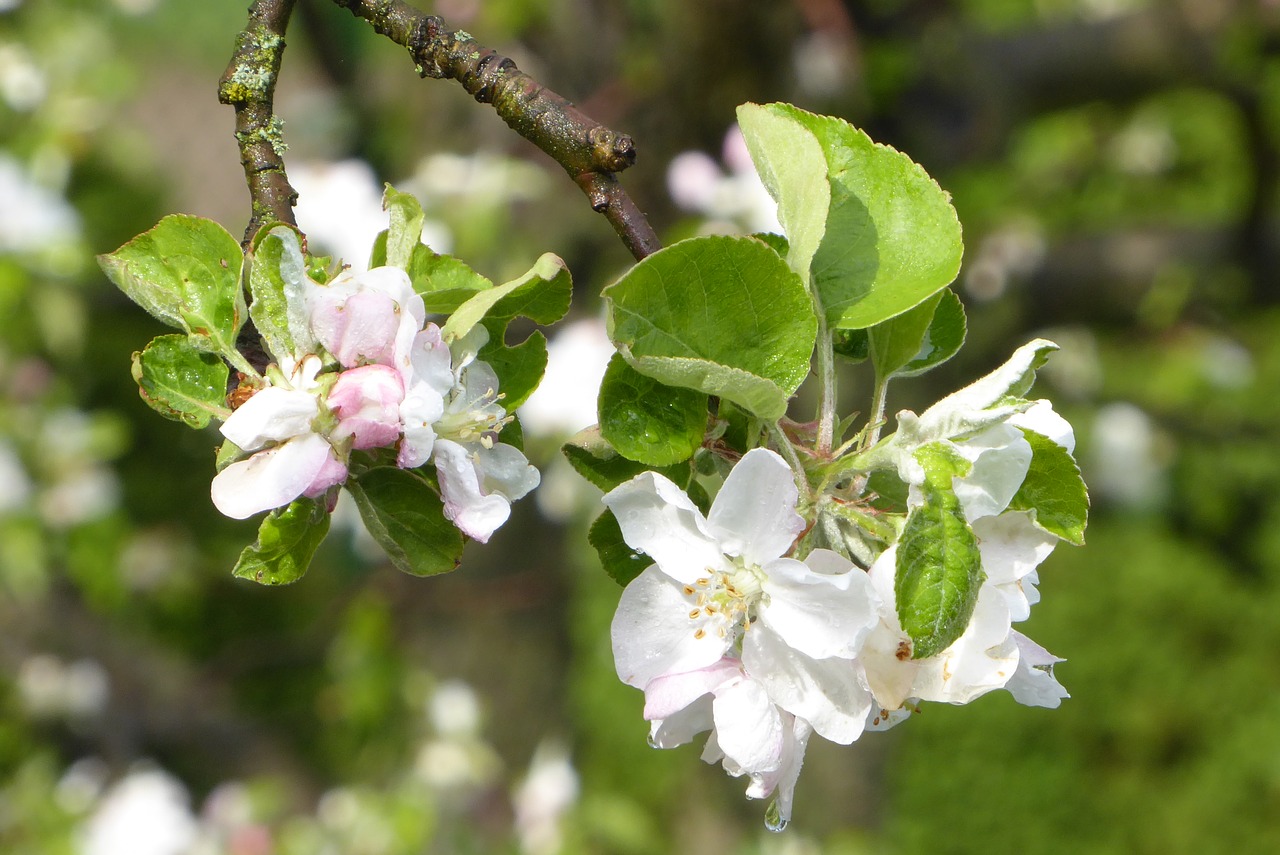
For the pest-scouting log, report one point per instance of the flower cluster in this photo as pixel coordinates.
(740, 629)
(367, 371)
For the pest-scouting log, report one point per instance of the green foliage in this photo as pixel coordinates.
(1054, 490)
(718, 314)
(649, 422)
(180, 382)
(939, 569)
(287, 540)
(406, 518)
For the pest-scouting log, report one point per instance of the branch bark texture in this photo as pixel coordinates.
(249, 85)
(590, 152)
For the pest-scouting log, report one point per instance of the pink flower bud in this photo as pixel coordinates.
(366, 401)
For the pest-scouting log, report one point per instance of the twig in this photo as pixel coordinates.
(587, 150)
(249, 85)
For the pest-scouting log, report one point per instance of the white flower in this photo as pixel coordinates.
(750, 734)
(146, 813)
(720, 583)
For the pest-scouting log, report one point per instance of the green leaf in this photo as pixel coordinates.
(939, 568)
(793, 168)
(897, 341)
(519, 368)
(287, 540)
(543, 294)
(277, 283)
(1053, 490)
(596, 460)
(185, 272)
(943, 338)
(444, 282)
(891, 239)
(182, 383)
(405, 233)
(647, 421)
(620, 561)
(406, 517)
(852, 345)
(722, 315)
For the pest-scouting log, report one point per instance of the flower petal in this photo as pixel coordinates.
(652, 634)
(754, 516)
(504, 469)
(820, 614)
(1012, 547)
(682, 726)
(828, 693)
(1044, 420)
(982, 659)
(1033, 683)
(1001, 457)
(476, 514)
(748, 728)
(271, 478)
(273, 414)
(657, 518)
(784, 779)
(669, 693)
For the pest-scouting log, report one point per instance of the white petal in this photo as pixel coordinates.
(820, 614)
(1012, 547)
(827, 693)
(754, 516)
(784, 779)
(669, 693)
(271, 478)
(982, 659)
(653, 635)
(273, 414)
(1001, 457)
(1033, 683)
(477, 515)
(748, 728)
(504, 469)
(680, 727)
(657, 518)
(1042, 419)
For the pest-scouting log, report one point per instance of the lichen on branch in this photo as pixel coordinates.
(588, 151)
(249, 85)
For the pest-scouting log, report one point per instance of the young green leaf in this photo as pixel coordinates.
(277, 282)
(620, 561)
(592, 457)
(891, 237)
(287, 540)
(647, 421)
(722, 315)
(180, 382)
(543, 295)
(943, 338)
(939, 568)
(185, 272)
(1054, 490)
(897, 341)
(406, 517)
(519, 368)
(404, 236)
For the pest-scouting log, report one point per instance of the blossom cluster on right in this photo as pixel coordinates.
(742, 628)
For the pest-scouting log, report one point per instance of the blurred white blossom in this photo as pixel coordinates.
(15, 486)
(22, 84)
(52, 688)
(1124, 463)
(548, 790)
(146, 813)
(32, 217)
(732, 201)
(565, 402)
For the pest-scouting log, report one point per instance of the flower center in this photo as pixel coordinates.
(723, 601)
(480, 422)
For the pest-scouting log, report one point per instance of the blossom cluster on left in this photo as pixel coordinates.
(387, 382)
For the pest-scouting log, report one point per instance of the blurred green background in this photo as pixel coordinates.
(1115, 166)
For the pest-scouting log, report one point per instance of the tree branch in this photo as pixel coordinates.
(587, 150)
(249, 85)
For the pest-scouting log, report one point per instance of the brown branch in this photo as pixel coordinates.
(249, 85)
(587, 150)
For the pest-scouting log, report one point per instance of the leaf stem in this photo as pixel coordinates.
(876, 422)
(589, 152)
(826, 388)
(793, 458)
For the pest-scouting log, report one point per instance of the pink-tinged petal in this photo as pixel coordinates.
(667, 694)
(827, 693)
(477, 515)
(653, 635)
(363, 329)
(271, 478)
(1042, 419)
(367, 402)
(784, 779)
(824, 613)
(1034, 684)
(1001, 457)
(430, 362)
(331, 474)
(657, 518)
(754, 516)
(273, 414)
(748, 728)
(981, 660)
(681, 727)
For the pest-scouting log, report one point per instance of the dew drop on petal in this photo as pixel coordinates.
(773, 820)
(653, 742)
